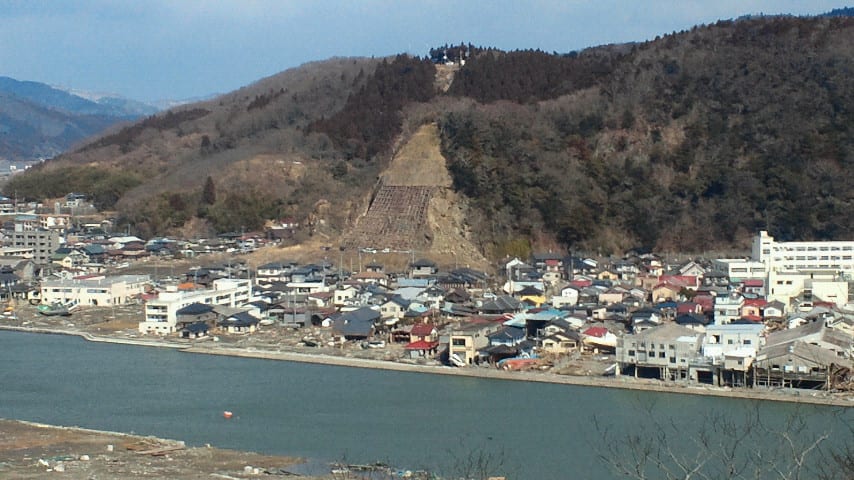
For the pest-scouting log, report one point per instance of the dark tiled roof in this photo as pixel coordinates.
(195, 309)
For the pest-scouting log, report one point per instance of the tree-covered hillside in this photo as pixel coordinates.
(693, 140)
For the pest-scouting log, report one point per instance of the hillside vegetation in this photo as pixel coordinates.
(691, 141)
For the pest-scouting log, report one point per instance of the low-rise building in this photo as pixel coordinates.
(468, 338)
(94, 291)
(669, 348)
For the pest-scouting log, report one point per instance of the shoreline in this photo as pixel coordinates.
(618, 382)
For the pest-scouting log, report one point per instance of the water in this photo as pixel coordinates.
(417, 421)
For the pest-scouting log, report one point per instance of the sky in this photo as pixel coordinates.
(153, 50)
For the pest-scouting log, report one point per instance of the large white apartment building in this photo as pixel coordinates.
(94, 291)
(798, 256)
(160, 313)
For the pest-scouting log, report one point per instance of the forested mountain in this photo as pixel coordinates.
(39, 121)
(694, 140)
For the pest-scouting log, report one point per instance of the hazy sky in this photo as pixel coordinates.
(156, 49)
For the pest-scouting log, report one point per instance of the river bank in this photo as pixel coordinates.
(618, 382)
(33, 450)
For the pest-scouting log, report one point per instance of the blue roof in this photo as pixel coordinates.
(507, 333)
(240, 319)
(197, 327)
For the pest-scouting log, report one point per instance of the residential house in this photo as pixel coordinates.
(195, 313)
(467, 339)
(599, 338)
(531, 296)
(239, 323)
(500, 305)
(394, 308)
(275, 272)
(799, 364)
(816, 333)
(423, 268)
(752, 309)
(728, 308)
(666, 291)
(561, 343)
(612, 295)
(691, 268)
(359, 324)
(345, 295)
(774, 310)
(753, 286)
(568, 297)
(694, 321)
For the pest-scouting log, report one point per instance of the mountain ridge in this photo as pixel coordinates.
(693, 140)
(39, 121)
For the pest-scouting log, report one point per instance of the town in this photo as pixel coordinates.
(780, 317)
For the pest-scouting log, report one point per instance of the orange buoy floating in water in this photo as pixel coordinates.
(226, 414)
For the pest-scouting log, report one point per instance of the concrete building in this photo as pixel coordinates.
(732, 340)
(94, 291)
(739, 269)
(160, 314)
(807, 285)
(669, 348)
(799, 256)
(42, 242)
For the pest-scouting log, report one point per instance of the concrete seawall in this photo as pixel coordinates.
(630, 383)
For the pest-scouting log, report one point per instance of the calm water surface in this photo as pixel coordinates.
(331, 413)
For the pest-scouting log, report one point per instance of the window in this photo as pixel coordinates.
(459, 342)
(660, 354)
(672, 359)
(747, 342)
(651, 354)
(729, 342)
(631, 353)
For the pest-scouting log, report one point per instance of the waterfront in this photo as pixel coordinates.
(331, 412)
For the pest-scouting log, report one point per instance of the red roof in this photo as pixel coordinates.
(421, 345)
(686, 307)
(552, 262)
(679, 280)
(596, 331)
(755, 302)
(422, 329)
(753, 318)
(753, 283)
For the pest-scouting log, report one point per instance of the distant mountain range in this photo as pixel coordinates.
(40, 121)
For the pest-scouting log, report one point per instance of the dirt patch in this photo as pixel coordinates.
(30, 451)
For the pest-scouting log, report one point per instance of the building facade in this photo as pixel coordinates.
(160, 313)
(94, 291)
(797, 256)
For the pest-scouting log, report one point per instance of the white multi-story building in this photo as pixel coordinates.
(94, 291)
(728, 308)
(797, 256)
(733, 342)
(160, 314)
